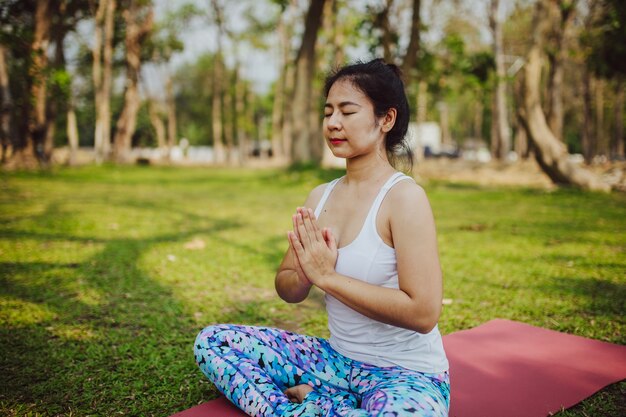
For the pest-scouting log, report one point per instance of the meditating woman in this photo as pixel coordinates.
(368, 241)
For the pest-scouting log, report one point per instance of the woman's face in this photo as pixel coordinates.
(350, 127)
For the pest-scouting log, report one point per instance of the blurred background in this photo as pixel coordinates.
(239, 83)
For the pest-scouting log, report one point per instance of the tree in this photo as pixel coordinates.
(410, 56)
(138, 17)
(102, 76)
(561, 14)
(550, 153)
(501, 132)
(6, 104)
(606, 59)
(304, 73)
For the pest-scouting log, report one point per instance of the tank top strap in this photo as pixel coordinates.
(327, 191)
(393, 180)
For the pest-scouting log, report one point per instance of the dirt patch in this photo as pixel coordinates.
(521, 173)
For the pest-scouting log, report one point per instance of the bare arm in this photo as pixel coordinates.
(291, 283)
(416, 305)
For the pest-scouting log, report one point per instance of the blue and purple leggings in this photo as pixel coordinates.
(252, 366)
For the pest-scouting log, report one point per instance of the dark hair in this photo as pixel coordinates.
(382, 84)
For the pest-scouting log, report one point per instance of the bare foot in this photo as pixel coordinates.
(296, 394)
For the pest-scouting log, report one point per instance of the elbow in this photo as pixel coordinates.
(424, 327)
(425, 321)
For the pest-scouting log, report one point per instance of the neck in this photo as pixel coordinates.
(371, 167)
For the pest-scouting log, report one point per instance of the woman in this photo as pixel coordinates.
(368, 241)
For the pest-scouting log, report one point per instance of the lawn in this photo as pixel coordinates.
(108, 273)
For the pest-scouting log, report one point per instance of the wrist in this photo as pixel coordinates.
(324, 280)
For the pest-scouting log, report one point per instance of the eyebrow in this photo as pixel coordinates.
(343, 104)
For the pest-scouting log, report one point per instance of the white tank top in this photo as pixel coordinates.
(368, 258)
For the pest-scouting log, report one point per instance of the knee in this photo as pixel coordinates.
(208, 338)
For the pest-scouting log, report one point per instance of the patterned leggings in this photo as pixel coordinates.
(252, 366)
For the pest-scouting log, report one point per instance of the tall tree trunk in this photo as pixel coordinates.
(617, 148)
(501, 132)
(171, 114)
(157, 123)
(410, 57)
(278, 112)
(137, 29)
(102, 76)
(339, 38)
(31, 149)
(589, 134)
(6, 105)
(444, 121)
(240, 111)
(550, 153)
(287, 128)
(216, 106)
(72, 132)
(561, 14)
(601, 139)
(56, 97)
(227, 104)
(305, 68)
(387, 34)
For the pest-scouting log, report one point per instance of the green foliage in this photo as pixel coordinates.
(108, 273)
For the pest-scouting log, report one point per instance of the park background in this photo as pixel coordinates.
(153, 152)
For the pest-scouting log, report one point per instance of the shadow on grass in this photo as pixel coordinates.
(86, 358)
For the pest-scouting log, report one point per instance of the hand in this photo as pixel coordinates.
(296, 394)
(301, 275)
(315, 249)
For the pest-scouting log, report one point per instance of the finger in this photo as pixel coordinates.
(294, 220)
(314, 234)
(303, 233)
(295, 244)
(316, 226)
(330, 240)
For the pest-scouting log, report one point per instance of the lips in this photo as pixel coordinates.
(336, 141)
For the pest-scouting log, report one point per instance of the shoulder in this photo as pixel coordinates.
(315, 196)
(407, 193)
(407, 199)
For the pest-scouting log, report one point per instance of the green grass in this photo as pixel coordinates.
(107, 274)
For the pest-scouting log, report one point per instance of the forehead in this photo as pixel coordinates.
(346, 91)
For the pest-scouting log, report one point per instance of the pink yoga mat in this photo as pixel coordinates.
(505, 368)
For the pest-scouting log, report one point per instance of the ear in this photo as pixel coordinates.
(389, 120)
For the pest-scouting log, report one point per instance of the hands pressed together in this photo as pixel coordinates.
(315, 249)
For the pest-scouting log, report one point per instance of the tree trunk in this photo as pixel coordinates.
(501, 132)
(240, 111)
(102, 76)
(617, 148)
(6, 105)
(386, 28)
(227, 105)
(339, 38)
(601, 139)
(410, 57)
(305, 69)
(31, 150)
(171, 114)
(72, 132)
(550, 153)
(278, 113)
(216, 106)
(560, 15)
(56, 96)
(588, 134)
(158, 125)
(136, 33)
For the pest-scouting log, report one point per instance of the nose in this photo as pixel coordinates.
(333, 122)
